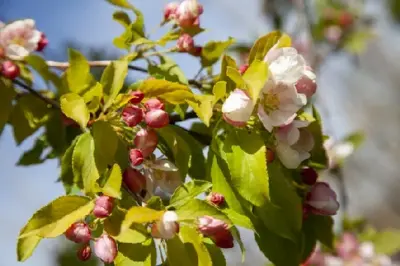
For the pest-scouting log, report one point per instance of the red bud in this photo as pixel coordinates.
(270, 156)
(223, 239)
(185, 43)
(104, 206)
(138, 97)
(216, 198)
(43, 42)
(84, 253)
(78, 232)
(134, 180)
(243, 68)
(105, 248)
(170, 10)
(156, 118)
(309, 176)
(196, 51)
(136, 157)
(146, 140)
(153, 104)
(9, 70)
(132, 115)
(345, 19)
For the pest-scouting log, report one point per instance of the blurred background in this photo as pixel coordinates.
(355, 92)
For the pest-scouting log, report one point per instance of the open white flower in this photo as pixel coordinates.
(294, 143)
(19, 39)
(279, 99)
(167, 227)
(237, 108)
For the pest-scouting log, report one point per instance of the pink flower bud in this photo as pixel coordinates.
(322, 200)
(154, 104)
(146, 140)
(196, 51)
(105, 248)
(132, 115)
(137, 97)
(237, 108)
(270, 156)
(9, 70)
(306, 84)
(348, 246)
(170, 10)
(209, 226)
(167, 227)
(43, 42)
(78, 232)
(134, 180)
(136, 157)
(185, 43)
(216, 198)
(188, 13)
(243, 68)
(103, 207)
(223, 239)
(346, 19)
(309, 176)
(84, 253)
(156, 118)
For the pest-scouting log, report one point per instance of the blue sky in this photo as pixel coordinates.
(88, 22)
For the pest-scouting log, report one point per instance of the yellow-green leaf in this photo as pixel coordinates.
(122, 18)
(235, 76)
(191, 238)
(113, 79)
(53, 219)
(255, 78)
(105, 144)
(171, 92)
(112, 187)
(78, 73)
(26, 246)
(92, 97)
(213, 50)
(7, 95)
(266, 42)
(143, 254)
(189, 191)
(120, 3)
(74, 107)
(196, 208)
(203, 107)
(219, 91)
(140, 215)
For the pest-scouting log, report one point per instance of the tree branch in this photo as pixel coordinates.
(49, 101)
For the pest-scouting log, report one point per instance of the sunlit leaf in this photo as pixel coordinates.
(74, 107)
(189, 191)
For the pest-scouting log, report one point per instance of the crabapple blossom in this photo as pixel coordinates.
(167, 227)
(322, 200)
(348, 246)
(84, 253)
(216, 198)
(279, 100)
(132, 115)
(156, 118)
(9, 69)
(196, 51)
(146, 140)
(237, 108)
(188, 13)
(19, 38)
(137, 97)
(105, 248)
(223, 239)
(103, 206)
(294, 143)
(153, 104)
(185, 43)
(210, 226)
(136, 157)
(134, 180)
(78, 232)
(43, 42)
(306, 84)
(170, 11)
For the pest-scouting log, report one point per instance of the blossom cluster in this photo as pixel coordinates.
(17, 40)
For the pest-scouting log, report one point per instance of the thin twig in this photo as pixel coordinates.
(49, 101)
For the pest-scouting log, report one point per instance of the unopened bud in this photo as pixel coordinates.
(322, 200)
(170, 11)
(78, 232)
(136, 157)
(105, 248)
(167, 227)
(137, 97)
(154, 104)
(196, 51)
(216, 198)
(146, 140)
(132, 115)
(346, 19)
(185, 43)
(306, 86)
(9, 70)
(84, 253)
(103, 207)
(223, 239)
(156, 118)
(188, 13)
(210, 226)
(270, 156)
(309, 176)
(43, 42)
(134, 180)
(243, 68)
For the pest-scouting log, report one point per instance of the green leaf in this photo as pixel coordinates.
(113, 79)
(213, 50)
(255, 78)
(34, 155)
(194, 241)
(245, 155)
(179, 254)
(140, 215)
(171, 92)
(387, 242)
(26, 246)
(155, 203)
(189, 191)
(105, 144)
(25, 73)
(136, 233)
(41, 67)
(83, 163)
(169, 69)
(238, 219)
(203, 107)
(6, 107)
(236, 236)
(266, 42)
(169, 36)
(120, 3)
(53, 219)
(355, 138)
(219, 91)
(74, 107)
(216, 254)
(122, 18)
(322, 227)
(318, 153)
(28, 115)
(56, 133)
(78, 73)
(93, 96)
(144, 254)
(112, 188)
(196, 208)
(227, 61)
(67, 175)
(235, 76)
(186, 151)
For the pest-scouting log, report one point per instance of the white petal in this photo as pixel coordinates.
(289, 157)
(16, 52)
(264, 118)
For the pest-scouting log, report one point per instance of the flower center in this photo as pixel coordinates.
(18, 41)
(270, 102)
